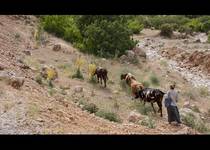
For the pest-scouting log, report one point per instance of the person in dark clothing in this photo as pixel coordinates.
(172, 109)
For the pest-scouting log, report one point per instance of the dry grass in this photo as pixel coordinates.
(33, 111)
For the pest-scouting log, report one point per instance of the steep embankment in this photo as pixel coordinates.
(35, 108)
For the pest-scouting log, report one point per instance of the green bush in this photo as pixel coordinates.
(149, 122)
(166, 30)
(196, 109)
(208, 37)
(204, 91)
(38, 79)
(135, 26)
(92, 108)
(154, 80)
(146, 84)
(190, 121)
(143, 109)
(78, 75)
(195, 24)
(206, 26)
(109, 116)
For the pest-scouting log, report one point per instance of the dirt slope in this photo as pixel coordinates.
(32, 110)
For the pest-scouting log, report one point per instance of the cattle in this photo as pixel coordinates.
(151, 95)
(101, 74)
(133, 83)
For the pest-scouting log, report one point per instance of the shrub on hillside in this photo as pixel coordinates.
(190, 121)
(135, 26)
(208, 37)
(109, 116)
(206, 26)
(154, 80)
(92, 108)
(149, 122)
(166, 30)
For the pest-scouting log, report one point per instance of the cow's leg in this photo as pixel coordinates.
(104, 82)
(101, 80)
(160, 108)
(98, 78)
(153, 108)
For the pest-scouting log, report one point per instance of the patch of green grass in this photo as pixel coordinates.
(38, 79)
(125, 87)
(33, 110)
(143, 109)
(204, 91)
(149, 122)
(93, 80)
(78, 75)
(190, 121)
(163, 63)
(109, 116)
(154, 80)
(196, 109)
(146, 84)
(91, 108)
(51, 91)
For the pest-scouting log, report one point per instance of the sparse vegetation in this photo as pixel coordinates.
(190, 121)
(166, 30)
(204, 91)
(154, 80)
(92, 108)
(17, 35)
(146, 84)
(109, 116)
(144, 110)
(163, 63)
(38, 79)
(149, 122)
(33, 110)
(79, 63)
(196, 109)
(78, 75)
(208, 37)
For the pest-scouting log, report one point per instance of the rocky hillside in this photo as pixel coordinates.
(28, 106)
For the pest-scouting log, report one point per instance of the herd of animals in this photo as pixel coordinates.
(138, 90)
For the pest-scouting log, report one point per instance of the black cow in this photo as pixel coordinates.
(152, 95)
(101, 74)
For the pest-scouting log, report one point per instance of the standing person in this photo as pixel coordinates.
(170, 103)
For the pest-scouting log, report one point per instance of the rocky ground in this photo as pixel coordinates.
(31, 108)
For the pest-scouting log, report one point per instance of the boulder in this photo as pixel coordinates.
(57, 47)
(134, 116)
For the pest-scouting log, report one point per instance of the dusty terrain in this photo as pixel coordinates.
(36, 108)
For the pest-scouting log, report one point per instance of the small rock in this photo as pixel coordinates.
(27, 52)
(16, 82)
(57, 47)
(2, 67)
(110, 97)
(78, 89)
(186, 104)
(134, 117)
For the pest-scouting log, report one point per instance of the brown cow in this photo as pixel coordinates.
(131, 81)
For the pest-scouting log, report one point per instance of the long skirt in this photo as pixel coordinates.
(173, 114)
